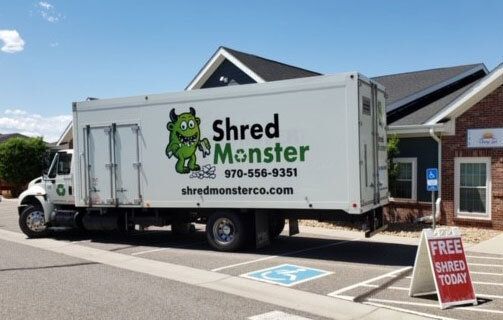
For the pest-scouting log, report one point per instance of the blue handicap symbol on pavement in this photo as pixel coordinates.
(286, 274)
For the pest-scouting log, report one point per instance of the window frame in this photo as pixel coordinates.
(457, 186)
(413, 161)
(61, 156)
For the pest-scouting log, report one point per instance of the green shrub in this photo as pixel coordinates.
(392, 166)
(21, 160)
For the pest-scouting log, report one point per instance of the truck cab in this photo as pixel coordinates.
(46, 193)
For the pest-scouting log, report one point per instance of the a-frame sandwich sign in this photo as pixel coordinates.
(441, 268)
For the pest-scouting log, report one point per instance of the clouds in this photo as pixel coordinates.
(12, 41)
(20, 121)
(45, 5)
(48, 12)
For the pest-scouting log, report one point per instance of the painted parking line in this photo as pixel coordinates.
(277, 315)
(286, 274)
(166, 248)
(499, 274)
(284, 254)
(484, 257)
(147, 251)
(487, 273)
(311, 303)
(432, 305)
(422, 314)
(392, 287)
(392, 274)
(479, 295)
(485, 265)
(481, 282)
(488, 283)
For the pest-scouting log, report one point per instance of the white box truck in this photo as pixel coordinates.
(240, 159)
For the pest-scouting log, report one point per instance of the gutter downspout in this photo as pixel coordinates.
(439, 199)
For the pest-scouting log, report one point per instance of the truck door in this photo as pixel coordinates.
(113, 165)
(100, 168)
(127, 162)
(60, 184)
(367, 145)
(382, 143)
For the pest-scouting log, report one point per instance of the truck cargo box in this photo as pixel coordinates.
(311, 143)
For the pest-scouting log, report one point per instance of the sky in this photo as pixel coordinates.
(55, 52)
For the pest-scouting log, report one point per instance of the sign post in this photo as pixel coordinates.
(441, 268)
(432, 185)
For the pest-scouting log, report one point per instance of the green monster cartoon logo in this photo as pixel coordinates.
(185, 139)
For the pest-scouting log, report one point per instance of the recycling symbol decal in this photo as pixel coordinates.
(240, 155)
(60, 190)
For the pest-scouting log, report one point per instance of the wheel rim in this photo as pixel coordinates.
(35, 221)
(224, 231)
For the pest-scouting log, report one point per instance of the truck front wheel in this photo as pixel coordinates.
(32, 222)
(226, 231)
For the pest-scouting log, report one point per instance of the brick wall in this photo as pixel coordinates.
(401, 211)
(487, 113)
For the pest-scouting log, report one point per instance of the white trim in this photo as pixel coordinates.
(413, 161)
(487, 85)
(434, 88)
(418, 130)
(457, 167)
(68, 129)
(214, 62)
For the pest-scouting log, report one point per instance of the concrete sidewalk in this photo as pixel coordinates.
(491, 246)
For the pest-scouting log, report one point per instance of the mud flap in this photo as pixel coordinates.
(375, 222)
(261, 230)
(293, 227)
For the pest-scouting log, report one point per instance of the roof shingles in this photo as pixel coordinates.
(402, 88)
(270, 70)
(402, 85)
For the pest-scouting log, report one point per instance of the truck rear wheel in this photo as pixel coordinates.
(226, 231)
(32, 222)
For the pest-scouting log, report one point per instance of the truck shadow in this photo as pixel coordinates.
(299, 246)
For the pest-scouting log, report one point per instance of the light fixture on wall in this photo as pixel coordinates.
(224, 79)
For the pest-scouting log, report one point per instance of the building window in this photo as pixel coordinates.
(473, 187)
(405, 185)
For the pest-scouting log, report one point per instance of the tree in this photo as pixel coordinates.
(21, 160)
(392, 166)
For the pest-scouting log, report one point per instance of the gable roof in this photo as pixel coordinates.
(470, 97)
(403, 88)
(270, 70)
(258, 68)
(424, 113)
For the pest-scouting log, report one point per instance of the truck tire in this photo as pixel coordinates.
(32, 222)
(276, 226)
(226, 231)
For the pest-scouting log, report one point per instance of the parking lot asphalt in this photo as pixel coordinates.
(56, 286)
(369, 272)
